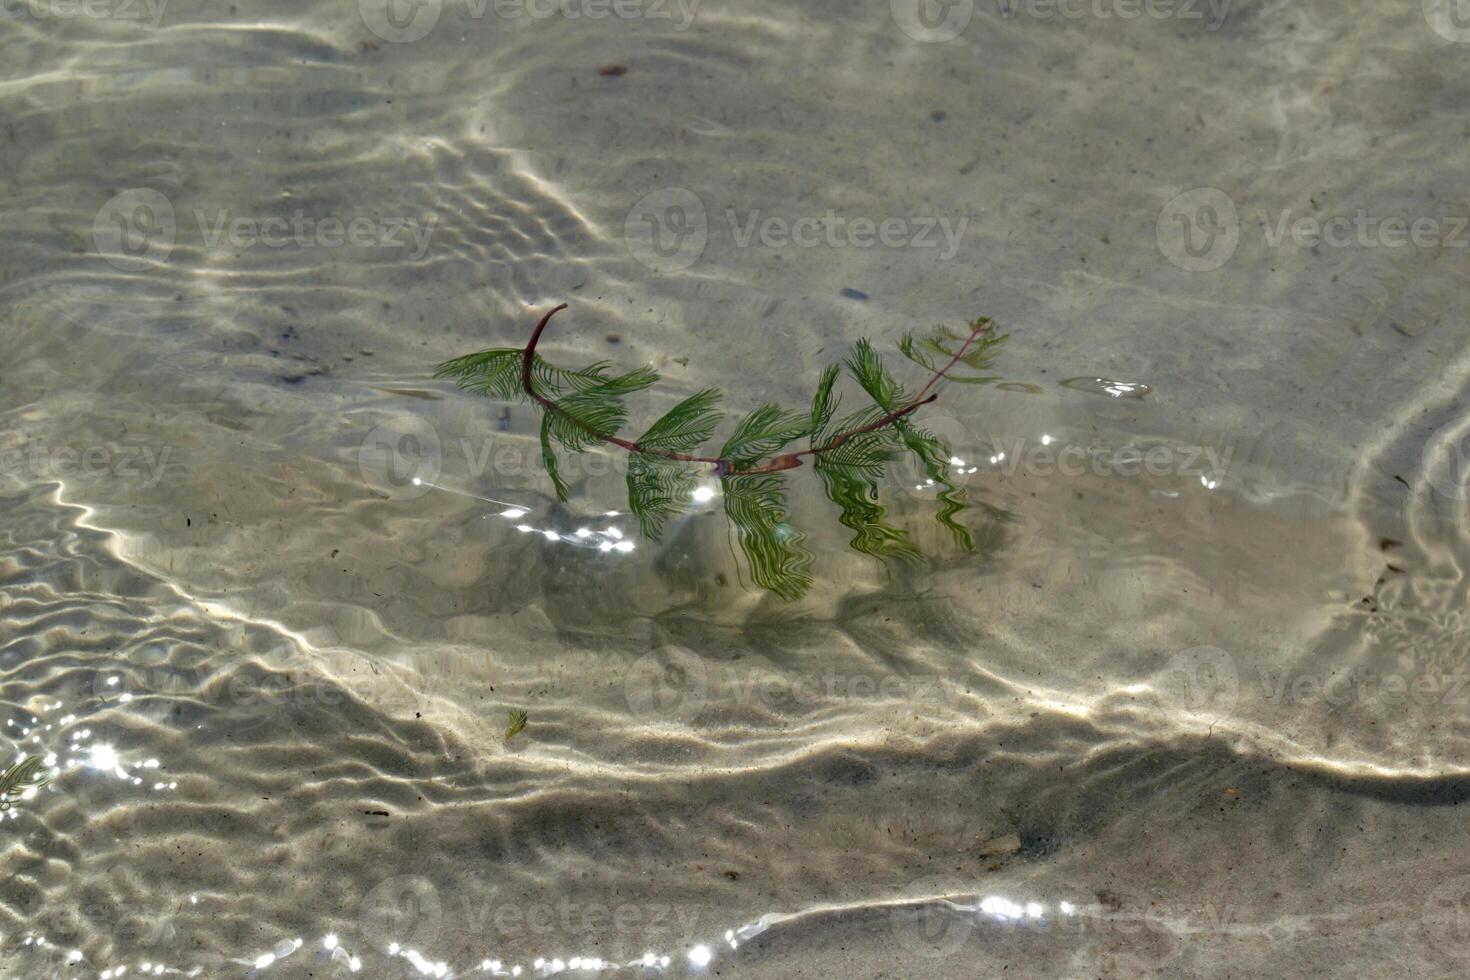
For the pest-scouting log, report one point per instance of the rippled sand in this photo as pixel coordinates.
(1201, 717)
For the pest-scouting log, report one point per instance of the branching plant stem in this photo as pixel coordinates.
(727, 467)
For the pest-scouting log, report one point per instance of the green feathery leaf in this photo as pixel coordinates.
(763, 433)
(850, 475)
(659, 488)
(849, 458)
(934, 457)
(548, 456)
(824, 404)
(756, 506)
(909, 348)
(515, 722)
(868, 369)
(496, 373)
(27, 774)
(686, 425)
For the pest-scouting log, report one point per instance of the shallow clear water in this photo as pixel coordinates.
(1195, 706)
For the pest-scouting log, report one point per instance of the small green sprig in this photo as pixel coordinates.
(582, 408)
(515, 723)
(27, 774)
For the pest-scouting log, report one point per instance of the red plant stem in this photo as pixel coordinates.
(726, 467)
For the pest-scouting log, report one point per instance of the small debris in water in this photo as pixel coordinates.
(613, 71)
(1009, 844)
(1109, 388)
(850, 293)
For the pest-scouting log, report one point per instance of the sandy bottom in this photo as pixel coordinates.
(1195, 706)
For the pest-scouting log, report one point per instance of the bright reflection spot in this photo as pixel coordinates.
(1001, 907)
(624, 546)
(261, 962)
(551, 535)
(513, 513)
(1047, 440)
(330, 941)
(583, 532)
(1067, 908)
(700, 956)
(613, 532)
(524, 528)
(1034, 910)
(103, 757)
(703, 494)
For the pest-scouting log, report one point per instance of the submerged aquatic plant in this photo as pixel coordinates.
(27, 774)
(584, 407)
(515, 722)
